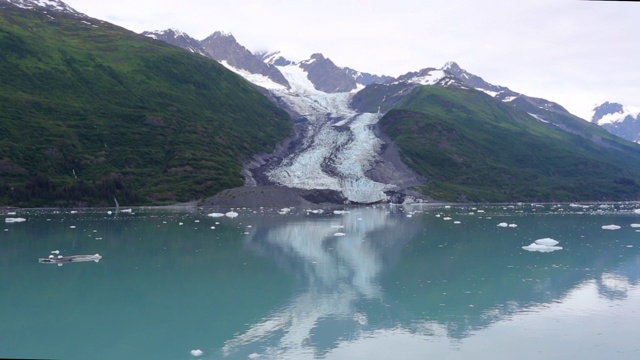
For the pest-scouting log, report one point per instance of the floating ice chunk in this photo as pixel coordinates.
(318, 211)
(126, 210)
(541, 248)
(503, 224)
(254, 356)
(446, 219)
(231, 214)
(610, 227)
(73, 212)
(215, 215)
(339, 234)
(56, 252)
(340, 212)
(14, 220)
(13, 213)
(547, 242)
(513, 225)
(109, 212)
(635, 225)
(338, 226)
(457, 222)
(196, 352)
(637, 211)
(72, 227)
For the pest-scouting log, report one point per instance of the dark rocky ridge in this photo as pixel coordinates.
(224, 47)
(326, 76)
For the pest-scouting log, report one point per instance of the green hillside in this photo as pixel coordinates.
(474, 148)
(91, 111)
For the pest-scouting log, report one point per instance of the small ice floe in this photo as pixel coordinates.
(317, 211)
(13, 213)
(360, 318)
(339, 234)
(55, 252)
(503, 224)
(109, 212)
(231, 214)
(180, 224)
(72, 227)
(543, 245)
(610, 227)
(446, 219)
(196, 352)
(547, 242)
(340, 212)
(284, 211)
(126, 210)
(215, 215)
(513, 225)
(636, 211)
(337, 226)
(14, 220)
(457, 222)
(635, 225)
(254, 356)
(73, 212)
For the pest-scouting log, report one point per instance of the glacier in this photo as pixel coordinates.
(338, 147)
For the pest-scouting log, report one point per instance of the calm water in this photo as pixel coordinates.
(402, 282)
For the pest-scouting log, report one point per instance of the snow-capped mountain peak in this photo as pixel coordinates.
(47, 5)
(273, 58)
(618, 119)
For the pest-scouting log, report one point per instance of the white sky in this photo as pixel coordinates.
(576, 53)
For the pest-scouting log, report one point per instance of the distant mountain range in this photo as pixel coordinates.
(623, 121)
(92, 111)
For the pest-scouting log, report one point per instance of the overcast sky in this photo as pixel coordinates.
(576, 53)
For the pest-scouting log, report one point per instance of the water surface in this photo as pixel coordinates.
(375, 283)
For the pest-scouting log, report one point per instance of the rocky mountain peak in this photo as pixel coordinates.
(177, 38)
(606, 108)
(223, 47)
(273, 58)
(326, 76)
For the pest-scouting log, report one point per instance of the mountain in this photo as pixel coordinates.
(46, 6)
(91, 111)
(326, 76)
(263, 66)
(623, 121)
(177, 38)
(224, 48)
(471, 147)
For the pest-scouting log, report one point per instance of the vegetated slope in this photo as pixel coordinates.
(473, 148)
(91, 111)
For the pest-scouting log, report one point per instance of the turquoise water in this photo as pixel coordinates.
(374, 283)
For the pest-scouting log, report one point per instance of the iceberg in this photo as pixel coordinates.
(610, 227)
(14, 220)
(231, 214)
(547, 242)
(196, 352)
(541, 248)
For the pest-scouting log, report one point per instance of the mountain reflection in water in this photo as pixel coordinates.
(395, 276)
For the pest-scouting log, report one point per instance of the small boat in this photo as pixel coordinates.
(67, 259)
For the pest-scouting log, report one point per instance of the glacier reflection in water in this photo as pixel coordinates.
(449, 283)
